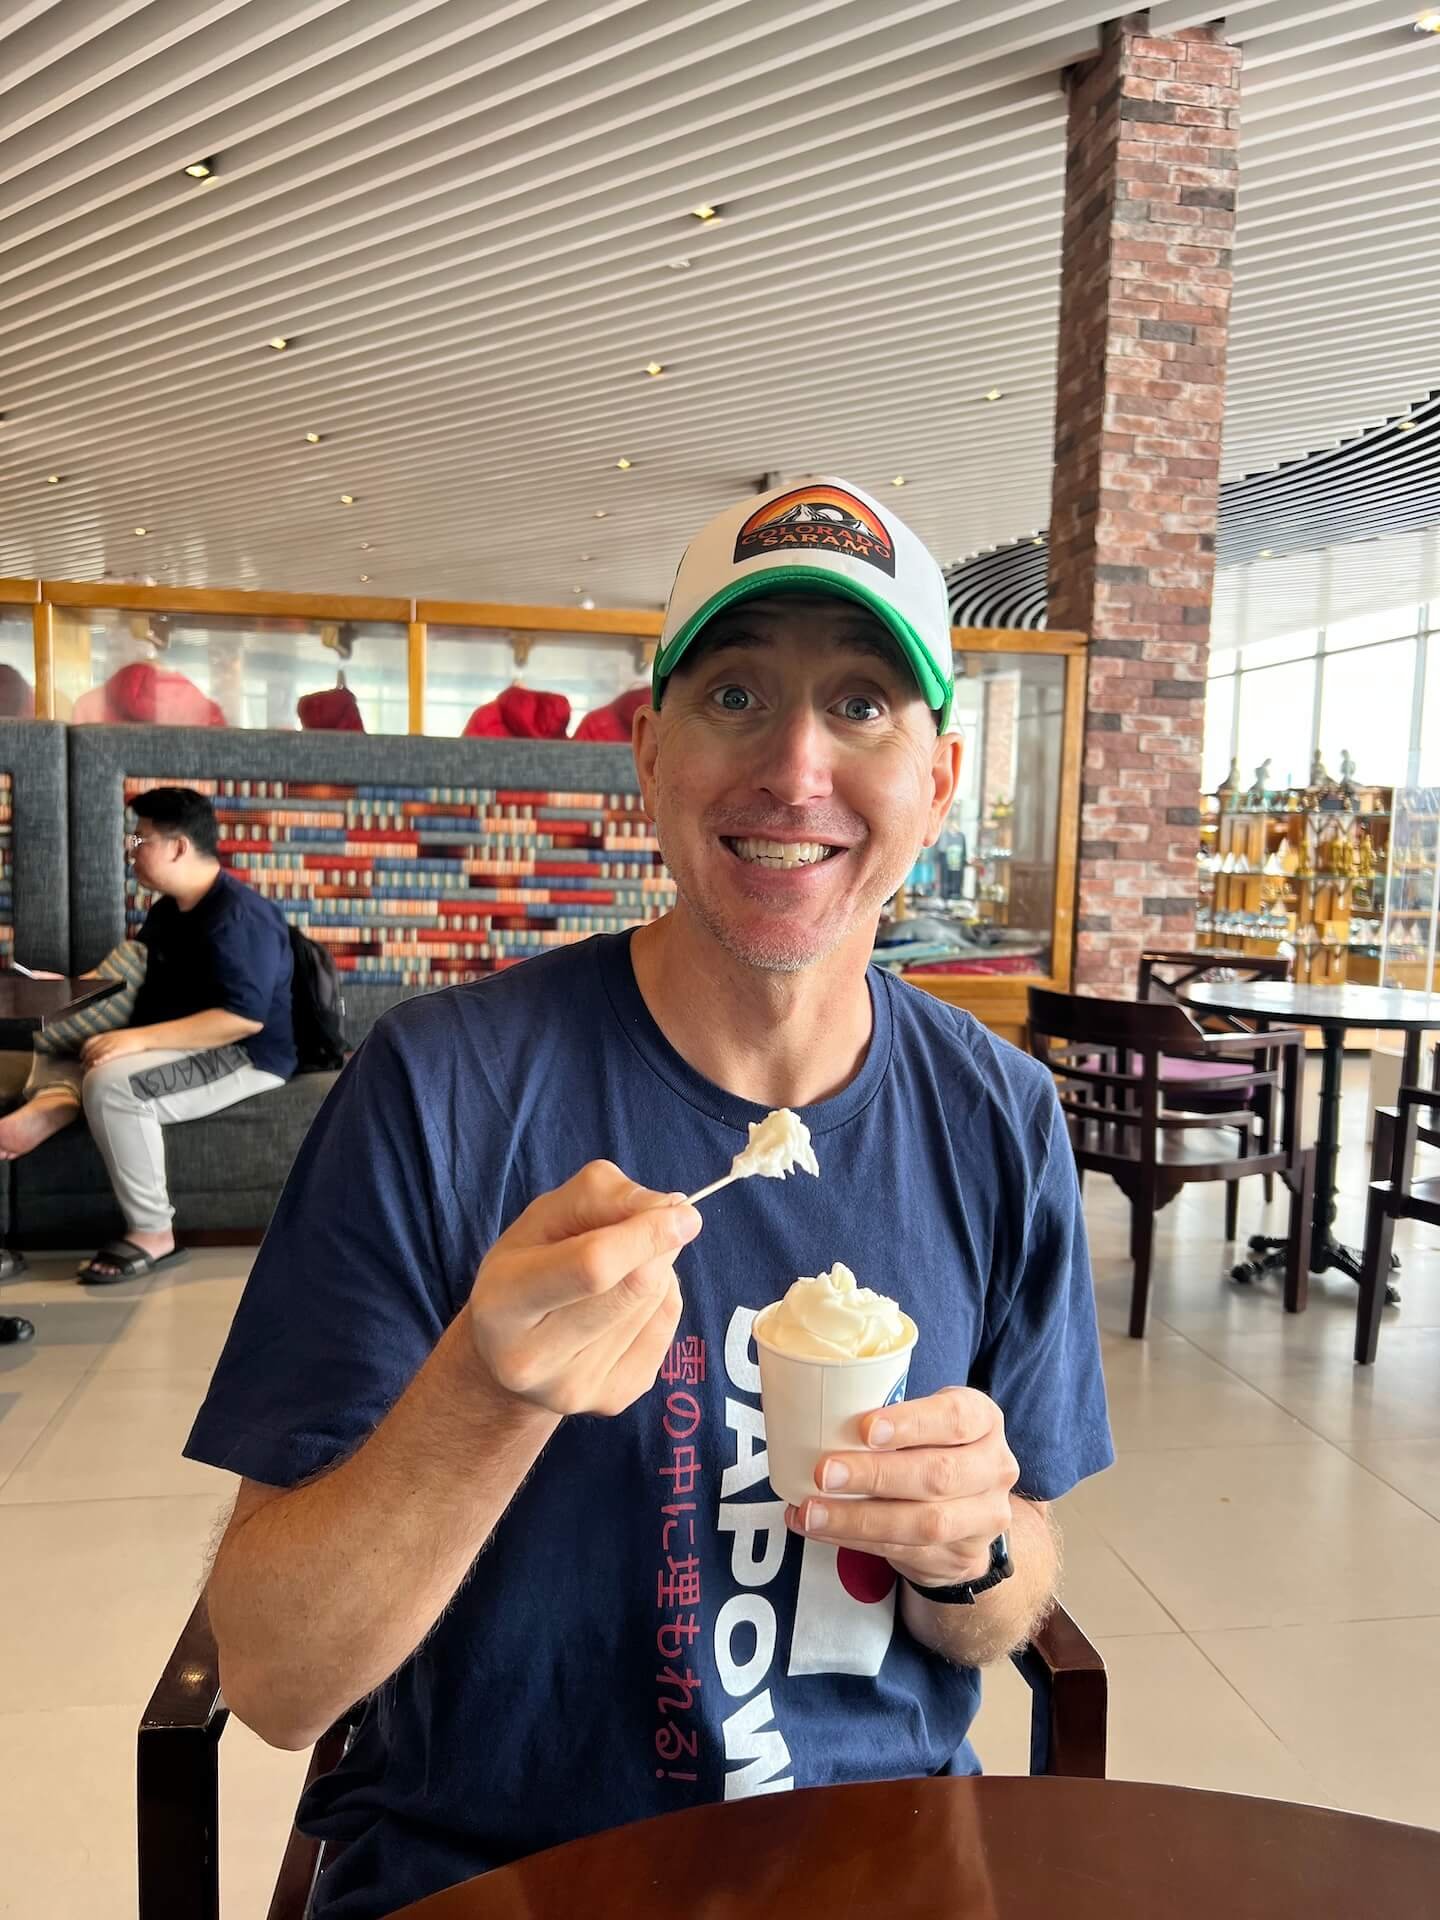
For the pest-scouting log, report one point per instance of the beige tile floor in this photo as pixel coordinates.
(1261, 1569)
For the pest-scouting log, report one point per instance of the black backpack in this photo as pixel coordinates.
(317, 1007)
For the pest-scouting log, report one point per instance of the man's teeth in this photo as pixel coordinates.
(778, 853)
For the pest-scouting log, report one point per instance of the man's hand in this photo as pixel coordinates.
(114, 1045)
(576, 1304)
(936, 1483)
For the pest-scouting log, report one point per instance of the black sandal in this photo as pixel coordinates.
(132, 1262)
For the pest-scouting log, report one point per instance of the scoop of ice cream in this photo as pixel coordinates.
(833, 1318)
(778, 1144)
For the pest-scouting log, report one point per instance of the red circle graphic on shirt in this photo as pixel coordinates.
(863, 1575)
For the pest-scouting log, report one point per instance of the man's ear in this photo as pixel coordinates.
(645, 745)
(945, 778)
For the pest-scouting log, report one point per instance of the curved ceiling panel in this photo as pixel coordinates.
(474, 225)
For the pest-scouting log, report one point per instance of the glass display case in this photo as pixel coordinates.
(181, 668)
(982, 903)
(17, 663)
(470, 667)
(1411, 909)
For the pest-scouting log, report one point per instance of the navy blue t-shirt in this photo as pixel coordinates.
(643, 1633)
(231, 951)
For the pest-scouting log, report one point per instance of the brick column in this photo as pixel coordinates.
(1144, 310)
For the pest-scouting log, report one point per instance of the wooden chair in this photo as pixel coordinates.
(1113, 1062)
(1164, 972)
(178, 1772)
(1397, 1196)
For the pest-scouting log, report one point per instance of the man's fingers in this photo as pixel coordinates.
(921, 1473)
(603, 1264)
(600, 1195)
(893, 1528)
(953, 1418)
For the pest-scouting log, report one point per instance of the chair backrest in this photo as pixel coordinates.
(1143, 1026)
(1165, 970)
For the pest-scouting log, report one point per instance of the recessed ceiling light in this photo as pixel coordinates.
(587, 556)
(200, 169)
(602, 513)
(1428, 22)
(1267, 553)
(1038, 541)
(654, 369)
(1408, 426)
(678, 265)
(52, 479)
(623, 464)
(705, 213)
(364, 576)
(993, 394)
(588, 604)
(279, 343)
(577, 589)
(364, 546)
(313, 439)
(347, 499)
(142, 531)
(898, 481)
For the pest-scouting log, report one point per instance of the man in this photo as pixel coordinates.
(211, 1026)
(498, 1419)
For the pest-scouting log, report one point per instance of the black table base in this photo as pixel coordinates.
(1267, 1255)
(13, 1329)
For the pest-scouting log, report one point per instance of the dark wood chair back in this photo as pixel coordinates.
(1122, 1070)
(178, 1777)
(1166, 971)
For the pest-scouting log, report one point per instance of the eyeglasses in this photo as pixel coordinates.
(134, 841)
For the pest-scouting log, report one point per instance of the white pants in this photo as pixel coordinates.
(128, 1101)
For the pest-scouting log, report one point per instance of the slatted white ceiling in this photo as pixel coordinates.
(469, 220)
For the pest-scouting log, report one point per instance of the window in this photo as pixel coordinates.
(1394, 624)
(1365, 710)
(1219, 716)
(1277, 706)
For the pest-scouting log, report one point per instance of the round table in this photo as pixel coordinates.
(988, 1849)
(1334, 1010)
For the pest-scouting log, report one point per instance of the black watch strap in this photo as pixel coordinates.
(963, 1595)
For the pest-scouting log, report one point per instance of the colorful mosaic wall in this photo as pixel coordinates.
(7, 871)
(413, 887)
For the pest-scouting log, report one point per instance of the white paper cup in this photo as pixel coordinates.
(814, 1407)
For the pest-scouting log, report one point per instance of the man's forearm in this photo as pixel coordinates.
(204, 1031)
(322, 1592)
(1003, 1618)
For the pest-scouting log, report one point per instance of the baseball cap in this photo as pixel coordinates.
(820, 536)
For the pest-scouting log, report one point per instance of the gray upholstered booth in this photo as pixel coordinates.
(226, 1172)
(34, 903)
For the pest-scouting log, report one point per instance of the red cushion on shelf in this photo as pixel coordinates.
(614, 722)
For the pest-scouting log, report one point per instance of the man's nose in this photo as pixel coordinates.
(795, 758)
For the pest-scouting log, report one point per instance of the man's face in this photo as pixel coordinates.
(154, 856)
(793, 773)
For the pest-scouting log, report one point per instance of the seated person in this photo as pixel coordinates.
(210, 1025)
(496, 1414)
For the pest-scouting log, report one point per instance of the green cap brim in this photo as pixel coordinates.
(937, 690)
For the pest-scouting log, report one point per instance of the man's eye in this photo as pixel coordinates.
(859, 707)
(733, 699)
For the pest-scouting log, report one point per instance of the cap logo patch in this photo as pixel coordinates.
(825, 518)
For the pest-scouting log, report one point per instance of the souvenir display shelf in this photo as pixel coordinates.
(1297, 870)
(1409, 951)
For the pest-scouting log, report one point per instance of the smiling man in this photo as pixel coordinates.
(493, 1395)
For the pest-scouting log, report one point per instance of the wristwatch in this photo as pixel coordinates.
(1001, 1567)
